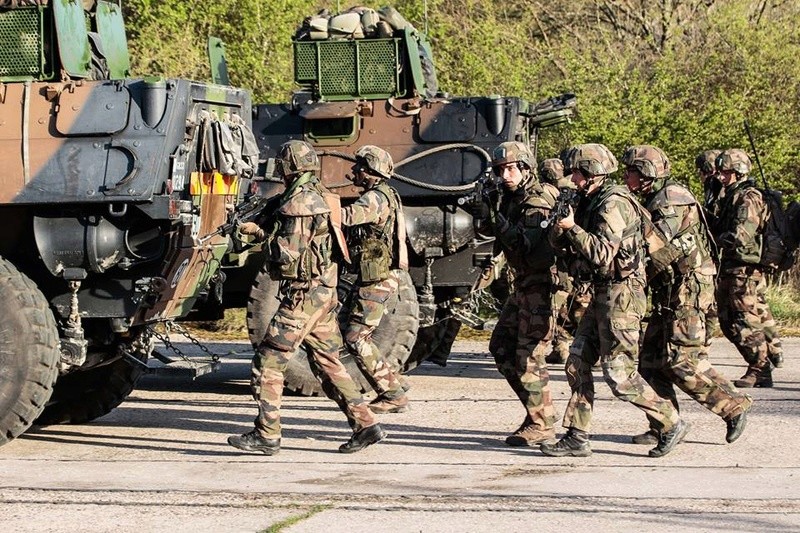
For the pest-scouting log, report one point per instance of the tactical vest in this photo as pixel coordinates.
(373, 245)
(313, 261)
(695, 247)
(630, 258)
(748, 253)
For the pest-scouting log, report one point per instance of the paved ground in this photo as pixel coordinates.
(160, 463)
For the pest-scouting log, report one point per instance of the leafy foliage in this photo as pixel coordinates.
(682, 74)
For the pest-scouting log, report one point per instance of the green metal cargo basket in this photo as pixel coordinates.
(22, 44)
(347, 69)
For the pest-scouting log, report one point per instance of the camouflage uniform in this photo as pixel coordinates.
(373, 216)
(569, 300)
(675, 338)
(744, 315)
(607, 247)
(524, 331)
(300, 256)
(300, 246)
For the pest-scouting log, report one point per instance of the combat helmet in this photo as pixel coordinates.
(376, 161)
(552, 171)
(512, 152)
(649, 160)
(705, 161)
(593, 159)
(734, 159)
(295, 157)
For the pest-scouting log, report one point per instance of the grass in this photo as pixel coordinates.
(292, 520)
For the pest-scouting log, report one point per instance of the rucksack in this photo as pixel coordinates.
(780, 238)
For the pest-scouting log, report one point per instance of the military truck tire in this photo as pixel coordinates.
(433, 343)
(29, 352)
(89, 394)
(394, 336)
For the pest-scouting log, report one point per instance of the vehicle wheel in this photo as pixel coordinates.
(394, 336)
(434, 343)
(29, 352)
(84, 395)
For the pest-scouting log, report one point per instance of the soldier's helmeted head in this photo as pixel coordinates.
(295, 158)
(512, 161)
(732, 164)
(552, 171)
(590, 164)
(705, 162)
(644, 164)
(372, 165)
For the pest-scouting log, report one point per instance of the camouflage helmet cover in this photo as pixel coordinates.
(734, 159)
(650, 161)
(551, 170)
(512, 152)
(295, 157)
(705, 161)
(377, 160)
(593, 159)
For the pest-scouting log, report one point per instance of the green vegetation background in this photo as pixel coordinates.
(681, 74)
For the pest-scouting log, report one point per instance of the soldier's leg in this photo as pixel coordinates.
(774, 347)
(324, 341)
(621, 311)
(582, 356)
(365, 317)
(283, 336)
(561, 337)
(696, 376)
(653, 359)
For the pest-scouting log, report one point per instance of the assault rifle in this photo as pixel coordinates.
(566, 200)
(245, 212)
(486, 191)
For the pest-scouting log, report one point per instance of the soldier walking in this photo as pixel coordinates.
(300, 248)
(712, 187)
(524, 331)
(605, 237)
(744, 315)
(376, 239)
(681, 295)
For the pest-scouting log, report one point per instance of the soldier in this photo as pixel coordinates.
(569, 302)
(607, 243)
(712, 187)
(744, 316)
(524, 331)
(376, 239)
(681, 296)
(300, 246)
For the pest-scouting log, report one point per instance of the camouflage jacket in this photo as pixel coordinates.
(300, 244)
(676, 212)
(739, 228)
(520, 236)
(607, 239)
(376, 210)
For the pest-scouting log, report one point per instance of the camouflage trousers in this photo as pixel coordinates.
(307, 317)
(745, 317)
(368, 309)
(609, 331)
(674, 349)
(570, 308)
(520, 341)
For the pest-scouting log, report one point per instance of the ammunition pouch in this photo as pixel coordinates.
(376, 260)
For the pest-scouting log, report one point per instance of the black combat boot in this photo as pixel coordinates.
(776, 359)
(363, 438)
(254, 442)
(756, 377)
(575, 444)
(669, 439)
(736, 426)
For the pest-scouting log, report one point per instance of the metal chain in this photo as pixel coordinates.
(165, 340)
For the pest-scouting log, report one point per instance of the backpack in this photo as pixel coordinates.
(780, 238)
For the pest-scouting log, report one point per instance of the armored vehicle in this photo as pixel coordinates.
(367, 77)
(111, 191)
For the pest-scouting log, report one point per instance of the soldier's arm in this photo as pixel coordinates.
(527, 235)
(291, 239)
(601, 246)
(371, 208)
